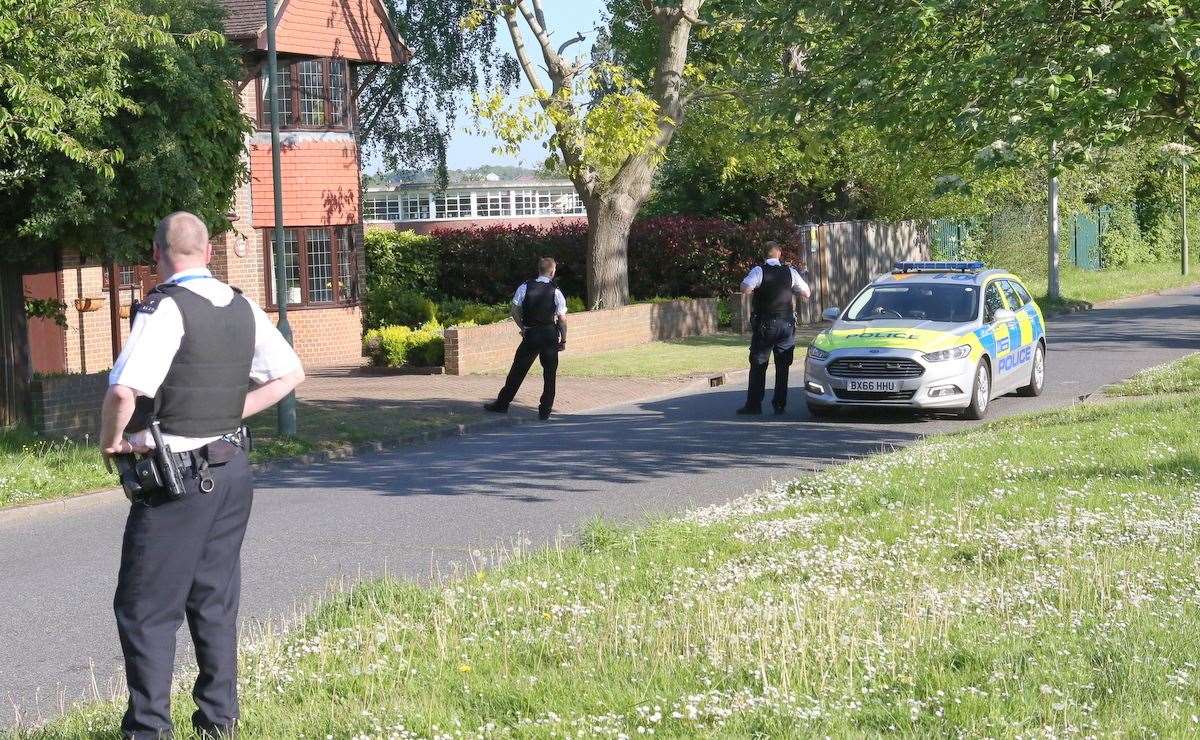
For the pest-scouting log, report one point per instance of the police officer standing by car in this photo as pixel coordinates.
(771, 287)
(179, 392)
(540, 310)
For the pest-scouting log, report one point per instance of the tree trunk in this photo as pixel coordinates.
(1052, 286)
(14, 348)
(609, 220)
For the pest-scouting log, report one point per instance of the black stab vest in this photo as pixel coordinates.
(205, 388)
(773, 297)
(537, 309)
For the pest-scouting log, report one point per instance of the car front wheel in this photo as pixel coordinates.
(981, 392)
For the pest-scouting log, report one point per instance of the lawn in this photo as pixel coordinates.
(1080, 287)
(324, 425)
(32, 469)
(1032, 577)
(1180, 376)
(677, 358)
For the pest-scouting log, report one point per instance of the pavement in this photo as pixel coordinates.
(423, 510)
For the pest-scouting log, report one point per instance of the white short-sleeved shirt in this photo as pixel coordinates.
(148, 353)
(753, 278)
(560, 303)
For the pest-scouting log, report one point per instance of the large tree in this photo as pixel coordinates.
(607, 127)
(112, 113)
(408, 111)
(119, 112)
(1051, 82)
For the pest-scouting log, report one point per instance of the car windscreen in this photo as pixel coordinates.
(917, 302)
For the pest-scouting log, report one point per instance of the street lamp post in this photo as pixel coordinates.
(287, 406)
(1184, 247)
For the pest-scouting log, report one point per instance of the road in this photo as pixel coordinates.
(422, 509)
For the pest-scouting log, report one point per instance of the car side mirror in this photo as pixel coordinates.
(1003, 315)
(831, 314)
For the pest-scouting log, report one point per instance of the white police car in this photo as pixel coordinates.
(929, 335)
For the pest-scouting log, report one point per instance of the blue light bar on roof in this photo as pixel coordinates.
(937, 267)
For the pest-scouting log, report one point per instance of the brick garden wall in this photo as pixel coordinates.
(68, 405)
(477, 349)
(326, 337)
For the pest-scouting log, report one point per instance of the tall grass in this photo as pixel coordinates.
(34, 468)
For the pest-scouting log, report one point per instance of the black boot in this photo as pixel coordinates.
(496, 407)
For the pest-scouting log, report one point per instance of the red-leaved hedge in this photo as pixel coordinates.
(668, 256)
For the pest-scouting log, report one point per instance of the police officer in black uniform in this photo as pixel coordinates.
(180, 386)
(771, 287)
(540, 310)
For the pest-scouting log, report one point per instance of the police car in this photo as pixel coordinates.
(929, 335)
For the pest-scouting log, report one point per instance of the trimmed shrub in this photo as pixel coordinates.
(457, 312)
(395, 346)
(388, 306)
(485, 265)
(404, 260)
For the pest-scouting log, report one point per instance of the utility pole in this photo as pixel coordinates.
(287, 406)
(1183, 254)
(1052, 288)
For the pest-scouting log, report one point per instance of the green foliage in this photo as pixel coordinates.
(388, 306)
(408, 111)
(456, 312)
(171, 139)
(395, 346)
(47, 308)
(401, 260)
(575, 304)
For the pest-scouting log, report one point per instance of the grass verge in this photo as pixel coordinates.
(331, 425)
(1032, 577)
(1083, 288)
(678, 358)
(1181, 376)
(33, 469)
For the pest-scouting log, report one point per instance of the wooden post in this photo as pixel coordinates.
(114, 308)
(14, 351)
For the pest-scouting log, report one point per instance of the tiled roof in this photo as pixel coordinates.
(244, 18)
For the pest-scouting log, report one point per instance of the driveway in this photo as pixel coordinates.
(424, 509)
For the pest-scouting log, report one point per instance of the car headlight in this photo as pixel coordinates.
(954, 353)
(817, 354)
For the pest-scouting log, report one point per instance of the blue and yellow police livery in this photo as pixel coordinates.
(929, 335)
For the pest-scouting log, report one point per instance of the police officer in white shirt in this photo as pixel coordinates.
(771, 287)
(195, 346)
(540, 310)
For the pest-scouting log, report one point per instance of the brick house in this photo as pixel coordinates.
(423, 207)
(326, 49)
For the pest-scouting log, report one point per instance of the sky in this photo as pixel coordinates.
(564, 18)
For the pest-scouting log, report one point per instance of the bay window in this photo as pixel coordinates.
(320, 265)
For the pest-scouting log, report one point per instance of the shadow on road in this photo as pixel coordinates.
(690, 435)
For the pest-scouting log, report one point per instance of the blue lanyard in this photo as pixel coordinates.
(185, 278)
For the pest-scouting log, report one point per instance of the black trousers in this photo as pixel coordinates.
(182, 558)
(772, 337)
(539, 342)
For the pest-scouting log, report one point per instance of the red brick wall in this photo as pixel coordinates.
(477, 349)
(320, 181)
(428, 227)
(326, 337)
(352, 29)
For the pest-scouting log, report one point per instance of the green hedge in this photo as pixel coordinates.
(394, 346)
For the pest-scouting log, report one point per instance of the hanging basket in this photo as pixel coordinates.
(87, 305)
(124, 311)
